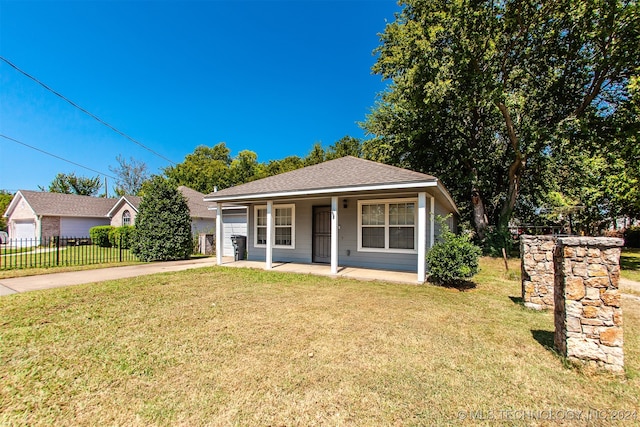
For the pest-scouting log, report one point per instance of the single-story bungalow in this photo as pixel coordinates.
(34, 215)
(346, 212)
(38, 214)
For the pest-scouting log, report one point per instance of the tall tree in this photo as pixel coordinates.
(5, 201)
(203, 170)
(163, 224)
(72, 184)
(483, 90)
(244, 168)
(316, 155)
(345, 146)
(130, 176)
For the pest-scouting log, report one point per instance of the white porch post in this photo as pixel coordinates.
(219, 233)
(422, 237)
(269, 248)
(334, 235)
(432, 221)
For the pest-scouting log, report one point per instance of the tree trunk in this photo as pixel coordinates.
(480, 221)
(516, 169)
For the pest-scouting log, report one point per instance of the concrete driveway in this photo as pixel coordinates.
(56, 280)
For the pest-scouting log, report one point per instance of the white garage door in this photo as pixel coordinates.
(79, 227)
(24, 230)
(233, 225)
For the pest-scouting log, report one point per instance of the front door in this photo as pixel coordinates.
(321, 251)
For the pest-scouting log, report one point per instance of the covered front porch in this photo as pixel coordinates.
(366, 274)
(333, 224)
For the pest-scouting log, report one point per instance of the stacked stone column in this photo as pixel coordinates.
(587, 314)
(537, 271)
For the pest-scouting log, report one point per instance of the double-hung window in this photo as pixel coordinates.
(126, 218)
(283, 226)
(387, 225)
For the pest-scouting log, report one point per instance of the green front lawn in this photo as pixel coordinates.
(630, 264)
(226, 346)
(46, 257)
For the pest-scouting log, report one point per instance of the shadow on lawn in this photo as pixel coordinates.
(517, 300)
(461, 285)
(545, 338)
(628, 262)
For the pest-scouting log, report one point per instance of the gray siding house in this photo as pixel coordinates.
(346, 212)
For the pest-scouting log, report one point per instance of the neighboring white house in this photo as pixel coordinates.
(39, 214)
(344, 212)
(35, 215)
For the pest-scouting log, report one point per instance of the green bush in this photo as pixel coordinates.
(121, 235)
(632, 237)
(162, 230)
(453, 258)
(100, 235)
(495, 240)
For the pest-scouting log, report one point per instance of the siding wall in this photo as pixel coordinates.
(203, 225)
(348, 254)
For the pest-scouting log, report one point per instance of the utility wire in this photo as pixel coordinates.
(85, 111)
(57, 157)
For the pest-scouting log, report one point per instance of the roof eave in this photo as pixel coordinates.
(322, 191)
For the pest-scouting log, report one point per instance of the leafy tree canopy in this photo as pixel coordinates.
(72, 184)
(208, 168)
(484, 94)
(163, 224)
(5, 201)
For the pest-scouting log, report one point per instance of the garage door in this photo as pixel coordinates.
(24, 230)
(233, 225)
(79, 227)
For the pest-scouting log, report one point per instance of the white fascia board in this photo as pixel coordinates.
(326, 191)
(120, 201)
(14, 204)
(448, 197)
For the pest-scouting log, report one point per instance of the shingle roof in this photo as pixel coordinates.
(134, 201)
(59, 204)
(197, 206)
(336, 174)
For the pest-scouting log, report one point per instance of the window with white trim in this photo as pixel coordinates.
(283, 226)
(387, 225)
(126, 218)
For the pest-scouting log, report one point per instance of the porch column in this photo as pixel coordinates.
(334, 235)
(219, 233)
(269, 248)
(432, 221)
(422, 237)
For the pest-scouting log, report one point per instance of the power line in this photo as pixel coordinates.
(57, 157)
(85, 111)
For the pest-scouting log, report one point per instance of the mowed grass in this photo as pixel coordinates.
(225, 346)
(630, 264)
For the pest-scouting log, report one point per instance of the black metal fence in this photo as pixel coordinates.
(59, 251)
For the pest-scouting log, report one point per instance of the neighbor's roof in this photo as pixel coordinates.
(133, 201)
(59, 204)
(195, 201)
(345, 173)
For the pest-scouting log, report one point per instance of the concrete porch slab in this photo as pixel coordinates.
(325, 270)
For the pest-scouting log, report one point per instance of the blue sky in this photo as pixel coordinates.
(273, 77)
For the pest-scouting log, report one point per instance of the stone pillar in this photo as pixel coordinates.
(537, 271)
(588, 316)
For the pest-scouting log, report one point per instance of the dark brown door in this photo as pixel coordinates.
(321, 251)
